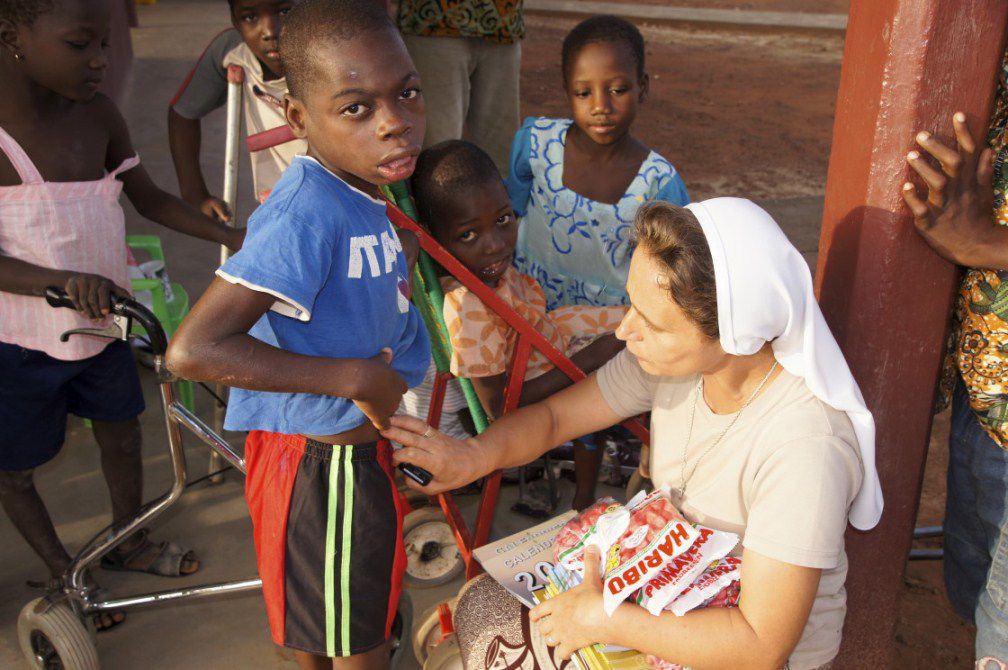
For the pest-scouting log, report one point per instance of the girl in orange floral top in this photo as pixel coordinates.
(462, 199)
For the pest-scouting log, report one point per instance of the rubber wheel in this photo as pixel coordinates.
(55, 638)
(402, 625)
(445, 656)
(427, 633)
(636, 484)
(432, 555)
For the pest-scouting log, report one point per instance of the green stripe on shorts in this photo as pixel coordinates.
(348, 503)
(330, 557)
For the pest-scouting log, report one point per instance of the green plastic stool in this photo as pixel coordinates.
(169, 312)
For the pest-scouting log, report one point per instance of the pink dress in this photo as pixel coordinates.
(76, 226)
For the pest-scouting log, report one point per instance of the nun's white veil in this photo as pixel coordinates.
(764, 294)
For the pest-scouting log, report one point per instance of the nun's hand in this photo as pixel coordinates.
(956, 218)
(453, 463)
(574, 619)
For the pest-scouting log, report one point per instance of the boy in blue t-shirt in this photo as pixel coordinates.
(311, 324)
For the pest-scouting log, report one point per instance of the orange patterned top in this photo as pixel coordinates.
(483, 343)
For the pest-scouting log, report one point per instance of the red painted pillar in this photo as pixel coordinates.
(908, 64)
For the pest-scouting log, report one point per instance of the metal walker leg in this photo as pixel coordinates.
(236, 80)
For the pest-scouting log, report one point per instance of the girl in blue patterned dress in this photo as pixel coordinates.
(577, 183)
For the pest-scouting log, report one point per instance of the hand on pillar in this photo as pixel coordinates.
(956, 218)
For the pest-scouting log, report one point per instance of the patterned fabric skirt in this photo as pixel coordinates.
(494, 632)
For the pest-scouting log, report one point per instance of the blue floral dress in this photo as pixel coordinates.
(576, 248)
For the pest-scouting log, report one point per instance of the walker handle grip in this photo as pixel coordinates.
(127, 310)
(58, 298)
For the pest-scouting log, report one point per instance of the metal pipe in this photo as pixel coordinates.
(205, 591)
(926, 554)
(198, 428)
(928, 531)
(104, 544)
(229, 192)
(232, 144)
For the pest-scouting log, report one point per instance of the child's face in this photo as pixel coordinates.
(480, 230)
(363, 113)
(259, 22)
(604, 91)
(64, 49)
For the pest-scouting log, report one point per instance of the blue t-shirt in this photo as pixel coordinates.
(330, 256)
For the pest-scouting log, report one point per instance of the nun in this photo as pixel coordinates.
(757, 428)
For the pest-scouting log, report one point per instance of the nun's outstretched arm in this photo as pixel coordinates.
(515, 439)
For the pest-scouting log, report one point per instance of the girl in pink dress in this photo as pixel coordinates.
(65, 156)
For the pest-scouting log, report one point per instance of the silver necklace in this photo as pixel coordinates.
(689, 434)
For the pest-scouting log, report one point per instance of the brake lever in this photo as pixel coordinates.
(119, 329)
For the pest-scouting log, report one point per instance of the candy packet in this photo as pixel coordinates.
(716, 587)
(676, 574)
(634, 541)
(656, 534)
(585, 530)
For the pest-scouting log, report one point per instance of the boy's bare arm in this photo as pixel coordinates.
(589, 359)
(213, 344)
(185, 140)
(164, 208)
(491, 389)
(28, 279)
(411, 248)
(90, 293)
(152, 202)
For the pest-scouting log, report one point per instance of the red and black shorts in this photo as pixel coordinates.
(328, 538)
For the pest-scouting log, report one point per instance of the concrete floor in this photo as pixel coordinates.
(230, 632)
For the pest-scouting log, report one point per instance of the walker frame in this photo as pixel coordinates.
(43, 617)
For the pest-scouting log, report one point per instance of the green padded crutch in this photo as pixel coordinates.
(429, 299)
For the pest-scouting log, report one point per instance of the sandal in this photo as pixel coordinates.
(166, 559)
(103, 621)
(530, 509)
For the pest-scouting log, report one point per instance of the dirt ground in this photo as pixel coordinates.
(753, 115)
(715, 107)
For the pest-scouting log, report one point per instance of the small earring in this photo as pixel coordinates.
(18, 56)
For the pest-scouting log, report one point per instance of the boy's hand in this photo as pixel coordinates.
(382, 389)
(411, 248)
(599, 352)
(956, 217)
(215, 208)
(234, 238)
(92, 294)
